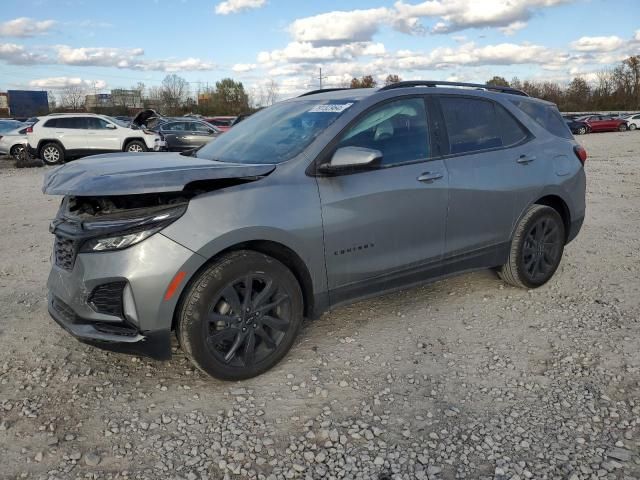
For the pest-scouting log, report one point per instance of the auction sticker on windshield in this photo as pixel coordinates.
(331, 107)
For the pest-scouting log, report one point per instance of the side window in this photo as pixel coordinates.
(199, 127)
(471, 124)
(511, 131)
(53, 123)
(547, 116)
(174, 127)
(95, 123)
(398, 129)
(72, 122)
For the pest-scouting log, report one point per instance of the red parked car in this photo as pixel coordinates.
(222, 123)
(604, 123)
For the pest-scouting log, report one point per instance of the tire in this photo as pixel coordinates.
(135, 146)
(632, 126)
(530, 266)
(233, 337)
(17, 151)
(622, 128)
(52, 153)
(582, 130)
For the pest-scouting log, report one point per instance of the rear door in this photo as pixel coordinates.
(388, 222)
(174, 134)
(101, 137)
(487, 148)
(72, 132)
(199, 134)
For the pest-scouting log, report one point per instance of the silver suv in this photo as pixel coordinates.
(314, 202)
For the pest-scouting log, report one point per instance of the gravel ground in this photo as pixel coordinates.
(464, 378)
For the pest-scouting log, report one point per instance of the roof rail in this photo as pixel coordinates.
(322, 90)
(436, 83)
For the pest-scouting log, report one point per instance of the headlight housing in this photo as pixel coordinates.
(118, 235)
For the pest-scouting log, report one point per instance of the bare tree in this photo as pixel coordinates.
(72, 97)
(392, 78)
(272, 89)
(174, 92)
(51, 97)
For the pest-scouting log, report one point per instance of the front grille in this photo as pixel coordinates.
(63, 310)
(64, 250)
(107, 298)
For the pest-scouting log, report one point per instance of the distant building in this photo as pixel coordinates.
(4, 105)
(27, 103)
(98, 100)
(126, 98)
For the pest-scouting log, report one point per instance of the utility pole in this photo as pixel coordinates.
(320, 77)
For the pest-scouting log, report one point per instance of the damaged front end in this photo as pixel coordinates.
(112, 268)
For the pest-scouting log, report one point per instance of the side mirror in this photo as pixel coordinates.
(347, 158)
(111, 126)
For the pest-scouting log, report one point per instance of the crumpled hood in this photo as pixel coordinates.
(134, 173)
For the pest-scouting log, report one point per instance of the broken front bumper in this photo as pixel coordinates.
(117, 300)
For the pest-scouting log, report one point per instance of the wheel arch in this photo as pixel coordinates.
(128, 140)
(284, 254)
(559, 205)
(43, 142)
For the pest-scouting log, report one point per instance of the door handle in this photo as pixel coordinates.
(428, 177)
(525, 159)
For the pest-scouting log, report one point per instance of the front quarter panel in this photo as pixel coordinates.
(283, 207)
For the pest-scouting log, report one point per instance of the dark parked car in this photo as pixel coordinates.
(578, 127)
(222, 123)
(604, 123)
(185, 134)
(309, 204)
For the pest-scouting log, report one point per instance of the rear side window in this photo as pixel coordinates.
(475, 124)
(53, 123)
(547, 116)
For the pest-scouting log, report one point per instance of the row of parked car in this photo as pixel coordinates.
(58, 137)
(582, 124)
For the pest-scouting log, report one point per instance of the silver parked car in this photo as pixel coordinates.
(13, 141)
(311, 203)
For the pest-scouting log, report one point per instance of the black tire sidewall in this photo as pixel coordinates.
(522, 275)
(197, 305)
(60, 152)
(135, 142)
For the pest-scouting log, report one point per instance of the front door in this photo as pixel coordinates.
(386, 225)
(101, 137)
(175, 134)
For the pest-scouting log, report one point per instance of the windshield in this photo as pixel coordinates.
(275, 134)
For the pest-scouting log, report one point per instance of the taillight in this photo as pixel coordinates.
(29, 129)
(581, 153)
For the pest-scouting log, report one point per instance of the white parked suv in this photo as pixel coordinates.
(633, 121)
(59, 137)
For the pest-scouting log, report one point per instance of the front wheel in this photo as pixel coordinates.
(240, 316)
(582, 130)
(136, 146)
(18, 151)
(536, 248)
(632, 126)
(622, 128)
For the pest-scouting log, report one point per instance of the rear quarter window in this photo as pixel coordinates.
(53, 123)
(547, 116)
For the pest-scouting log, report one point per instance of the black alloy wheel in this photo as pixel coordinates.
(542, 248)
(248, 320)
(239, 316)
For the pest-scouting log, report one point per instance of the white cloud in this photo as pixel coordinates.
(14, 54)
(598, 44)
(299, 52)
(235, 6)
(513, 27)
(188, 64)
(25, 27)
(243, 67)
(54, 83)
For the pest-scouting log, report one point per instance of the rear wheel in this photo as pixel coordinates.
(536, 248)
(582, 130)
(136, 146)
(52, 153)
(240, 316)
(632, 126)
(622, 128)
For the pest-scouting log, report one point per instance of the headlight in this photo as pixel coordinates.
(117, 242)
(119, 234)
